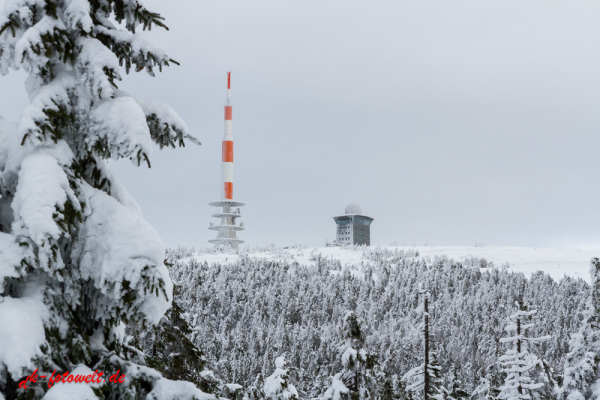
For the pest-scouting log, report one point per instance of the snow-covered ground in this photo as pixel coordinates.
(555, 262)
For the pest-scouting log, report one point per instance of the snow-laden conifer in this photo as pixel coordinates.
(456, 390)
(425, 381)
(77, 260)
(483, 391)
(489, 382)
(359, 378)
(416, 380)
(255, 391)
(168, 349)
(519, 362)
(277, 385)
(582, 371)
(581, 365)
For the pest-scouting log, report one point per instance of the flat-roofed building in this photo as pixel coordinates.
(353, 227)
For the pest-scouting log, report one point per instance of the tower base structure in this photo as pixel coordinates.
(226, 230)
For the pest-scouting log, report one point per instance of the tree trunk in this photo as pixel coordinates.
(520, 389)
(426, 335)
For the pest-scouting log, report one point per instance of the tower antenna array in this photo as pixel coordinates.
(230, 209)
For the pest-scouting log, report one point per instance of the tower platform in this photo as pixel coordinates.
(226, 230)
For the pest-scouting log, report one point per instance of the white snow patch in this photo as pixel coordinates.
(122, 123)
(32, 39)
(555, 262)
(120, 246)
(22, 329)
(47, 97)
(77, 12)
(336, 389)
(233, 387)
(93, 60)
(10, 258)
(349, 353)
(43, 187)
(273, 384)
(166, 389)
(165, 113)
(7, 140)
(72, 390)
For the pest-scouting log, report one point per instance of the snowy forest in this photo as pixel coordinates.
(246, 314)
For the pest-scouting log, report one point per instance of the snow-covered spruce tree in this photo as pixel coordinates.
(455, 389)
(487, 387)
(277, 386)
(484, 391)
(582, 372)
(518, 362)
(360, 377)
(425, 381)
(256, 390)
(78, 263)
(168, 349)
(417, 377)
(393, 389)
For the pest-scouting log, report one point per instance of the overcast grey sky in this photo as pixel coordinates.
(449, 122)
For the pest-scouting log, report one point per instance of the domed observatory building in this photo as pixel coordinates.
(353, 227)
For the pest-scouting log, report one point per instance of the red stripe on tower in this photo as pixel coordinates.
(227, 151)
(228, 190)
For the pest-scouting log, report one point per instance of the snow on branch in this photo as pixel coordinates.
(518, 362)
(98, 68)
(44, 207)
(44, 40)
(17, 14)
(133, 14)
(77, 15)
(122, 254)
(168, 389)
(48, 106)
(10, 258)
(133, 49)
(166, 126)
(120, 130)
(29, 312)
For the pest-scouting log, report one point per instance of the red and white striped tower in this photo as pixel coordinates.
(226, 230)
(227, 165)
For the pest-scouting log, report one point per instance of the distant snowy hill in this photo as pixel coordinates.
(554, 262)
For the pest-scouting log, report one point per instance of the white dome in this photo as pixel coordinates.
(353, 209)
